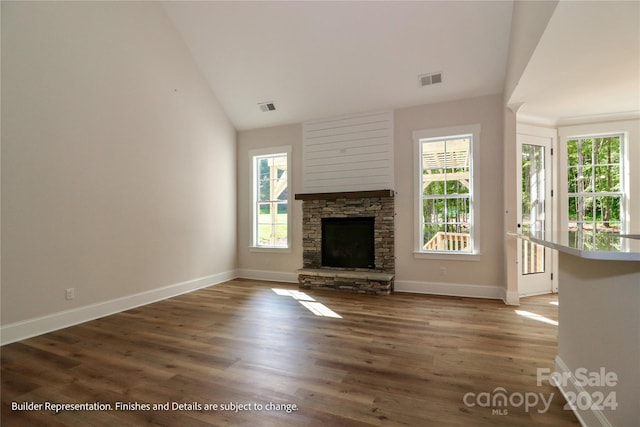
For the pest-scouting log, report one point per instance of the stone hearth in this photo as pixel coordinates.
(377, 204)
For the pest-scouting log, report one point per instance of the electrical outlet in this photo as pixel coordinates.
(70, 293)
(443, 271)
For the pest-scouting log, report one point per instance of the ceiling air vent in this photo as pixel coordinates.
(267, 106)
(430, 79)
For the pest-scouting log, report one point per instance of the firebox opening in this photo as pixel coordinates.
(348, 242)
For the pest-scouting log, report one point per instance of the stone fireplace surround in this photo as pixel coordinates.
(378, 204)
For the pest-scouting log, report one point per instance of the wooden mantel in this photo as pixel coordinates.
(345, 195)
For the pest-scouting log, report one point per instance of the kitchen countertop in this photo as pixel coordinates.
(605, 246)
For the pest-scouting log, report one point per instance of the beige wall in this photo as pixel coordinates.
(416, 275)
(599, 328)
(275, 264)
(118, 164)
(486, 271)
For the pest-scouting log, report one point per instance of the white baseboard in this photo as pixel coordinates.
(450, 289)
(586, 417)
(41, 325)
(267, 275)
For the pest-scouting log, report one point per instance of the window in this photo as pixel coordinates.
(270, 213)
(446, 191)
(595, 185)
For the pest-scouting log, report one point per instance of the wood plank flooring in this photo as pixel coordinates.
(398, 360)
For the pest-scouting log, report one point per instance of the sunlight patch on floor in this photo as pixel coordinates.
(553, 302)
(320, 309)
(297, 295)
(308, 302)
(536, 316)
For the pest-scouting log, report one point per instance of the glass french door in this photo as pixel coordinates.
(534, 214)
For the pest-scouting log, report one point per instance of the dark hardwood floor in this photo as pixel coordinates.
(393, 360)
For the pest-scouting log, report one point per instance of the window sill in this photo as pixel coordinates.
(271, 249)
(447, 256)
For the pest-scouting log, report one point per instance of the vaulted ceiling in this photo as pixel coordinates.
(322, 59)
(586, 66)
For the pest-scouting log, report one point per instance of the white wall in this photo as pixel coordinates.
(118, 163)
(348, 153)
(529, 20)
(0, 160)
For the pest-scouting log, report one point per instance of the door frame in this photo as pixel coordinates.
(551, 223)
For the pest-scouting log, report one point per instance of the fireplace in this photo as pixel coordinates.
(348, 241)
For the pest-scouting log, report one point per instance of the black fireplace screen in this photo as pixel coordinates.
(348, 242)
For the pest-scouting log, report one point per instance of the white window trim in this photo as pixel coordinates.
(448, 132)
(286, 149)
(624, 128)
